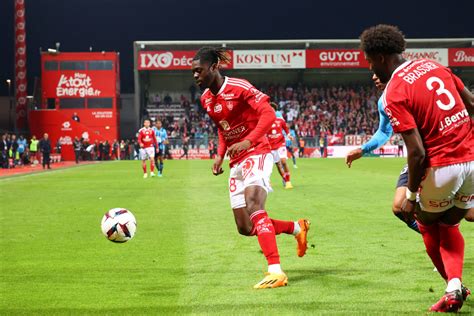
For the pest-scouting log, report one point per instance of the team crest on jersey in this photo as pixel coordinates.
(230, 105)
(217, 108)
(225, 125)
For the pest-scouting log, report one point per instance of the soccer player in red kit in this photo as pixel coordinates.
(147, 142)
(426, 103)
(243, 117)
(278, 146)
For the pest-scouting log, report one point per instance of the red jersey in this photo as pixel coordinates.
(240, 112)
(275, 134)
(425, 95)
(146, 137)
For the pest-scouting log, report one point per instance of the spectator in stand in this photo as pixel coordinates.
(75, 117)
(123, 150)
(185, 147)
(167, 99)
(14, 150)
(22, 149)
(100, 152)
(115, 150)
(77, 144)
(4, 152)
(45, 149)
(34, 149)
(106, 150)
(58, 146)
(136, 149)
(301, 143)
(212, 149)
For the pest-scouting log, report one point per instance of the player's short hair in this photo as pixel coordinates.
(212, 55)
(146, 119)
(382, 39)
(274, 105)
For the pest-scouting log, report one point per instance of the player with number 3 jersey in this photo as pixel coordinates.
(428, 105)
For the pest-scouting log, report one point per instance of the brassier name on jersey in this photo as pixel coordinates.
(411, 74)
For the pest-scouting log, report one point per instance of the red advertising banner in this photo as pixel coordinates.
(170, 60)
(461, 57)
(335, 58)
(92, 125)
(20, 65)
(78, 84)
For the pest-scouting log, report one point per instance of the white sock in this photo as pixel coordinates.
(297, 229)
(274, 268)
(453, 284)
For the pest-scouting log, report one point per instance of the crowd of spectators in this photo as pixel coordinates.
(316, 113)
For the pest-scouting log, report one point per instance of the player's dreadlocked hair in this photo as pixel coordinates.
(212, 55)
(382, 39)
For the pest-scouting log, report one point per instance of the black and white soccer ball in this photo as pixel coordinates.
(119, 225)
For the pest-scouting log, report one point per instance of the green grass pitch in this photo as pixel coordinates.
(187, 256)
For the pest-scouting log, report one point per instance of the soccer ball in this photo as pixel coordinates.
(119, 225)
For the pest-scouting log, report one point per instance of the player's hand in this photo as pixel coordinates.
(353, 155)
(217, 166)
(291, 137)
(238, 147)
(141, 145)
(408, 210)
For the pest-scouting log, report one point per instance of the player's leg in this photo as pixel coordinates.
(286, 171)
(160, 158)
(151, 155)
(276, 161)
(469, 215)
(293, 157)
(400, 199)
(440, 187)
(143, 157)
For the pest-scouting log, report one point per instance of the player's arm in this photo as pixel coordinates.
(468, 100)
(260, 102)
(286, 130)
(140, 141)
(403, 122)
(381, 136)
(416, 169)
(221, 150)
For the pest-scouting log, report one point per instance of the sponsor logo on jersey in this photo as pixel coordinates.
(207, 100)
(393, 120)
(225, 125)
(217, 108)
(454, 121)
(227, 95)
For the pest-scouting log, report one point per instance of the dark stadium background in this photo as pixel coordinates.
(112, 25)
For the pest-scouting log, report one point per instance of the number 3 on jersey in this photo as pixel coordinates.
(441, 90)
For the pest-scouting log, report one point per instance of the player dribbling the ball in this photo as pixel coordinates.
(243, 116)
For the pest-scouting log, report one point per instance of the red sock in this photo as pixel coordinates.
(431, 239)
(452, 250)
(144, 166)
(152, 167)
(266, 236)
(285, 227)
(287, 177)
